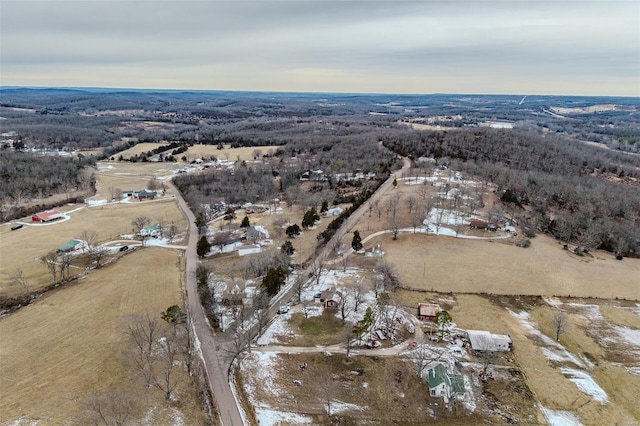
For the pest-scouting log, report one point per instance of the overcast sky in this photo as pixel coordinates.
(518, 46)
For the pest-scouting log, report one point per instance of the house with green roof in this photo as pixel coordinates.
(70, 245)
(444, 384)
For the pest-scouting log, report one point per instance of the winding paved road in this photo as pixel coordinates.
(212, 354)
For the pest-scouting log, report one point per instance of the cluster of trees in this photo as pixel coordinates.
(25, 175)
(568, 189)
(241, 185)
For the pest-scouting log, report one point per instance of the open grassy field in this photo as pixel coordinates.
(23, 248)
(231, 154)
(449, 264)
(73, 341)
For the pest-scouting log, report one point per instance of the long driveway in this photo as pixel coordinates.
(212, 353)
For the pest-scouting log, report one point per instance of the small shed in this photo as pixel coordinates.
(330, 298)
(428, 311)
(46, 216)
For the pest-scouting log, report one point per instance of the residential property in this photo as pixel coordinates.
(128, 193)
(481, 341)
(152, 231)
(478, 224)
(330, 298)
(428, 311)
(47, 216)
(70, 245)
(444, 384)
(146, 195)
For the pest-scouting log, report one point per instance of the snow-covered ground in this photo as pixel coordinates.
(585, 383)
(560, 418)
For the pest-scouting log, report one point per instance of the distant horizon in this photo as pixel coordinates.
(193, 90)
(493, 47)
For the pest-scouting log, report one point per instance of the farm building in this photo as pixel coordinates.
(146, 195)
(70, 245)
(128, 193)
(46, 216)
(428, 311)
(443, 384)
(481, 341)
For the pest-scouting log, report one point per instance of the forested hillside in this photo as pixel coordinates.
(24, 176)
(577, 193)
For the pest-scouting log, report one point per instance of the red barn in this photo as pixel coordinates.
(46, 216)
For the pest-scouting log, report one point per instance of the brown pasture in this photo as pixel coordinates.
(22, 249)
(72, 342)
(447, 264)
(232, 154)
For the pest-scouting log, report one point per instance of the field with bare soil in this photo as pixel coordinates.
(74, 342)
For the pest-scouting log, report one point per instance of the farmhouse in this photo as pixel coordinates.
(478, 224)
(443, 384)
(146, 195)
(46, 216)
(482, 341)
(70, 245)
(428, 311)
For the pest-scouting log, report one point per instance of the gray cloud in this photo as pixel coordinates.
(325, 45)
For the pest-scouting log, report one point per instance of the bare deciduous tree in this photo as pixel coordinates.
(390, 277)
(19, 279)
(51, 260)
(112, 408)
(560, 323)
(139, 224)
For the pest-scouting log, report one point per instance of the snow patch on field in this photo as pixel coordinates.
(95, 202)
(270, 417)
(340, 407)
(586, 384)
(560, 418)
(279, 328)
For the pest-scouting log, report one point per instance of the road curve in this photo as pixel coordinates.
(214, 360)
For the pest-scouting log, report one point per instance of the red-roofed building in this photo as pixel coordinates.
(46, 216)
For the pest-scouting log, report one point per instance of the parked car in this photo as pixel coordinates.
(412, 345)
(373, 344)
(283, 309)
(16, 227)
(124, 248)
